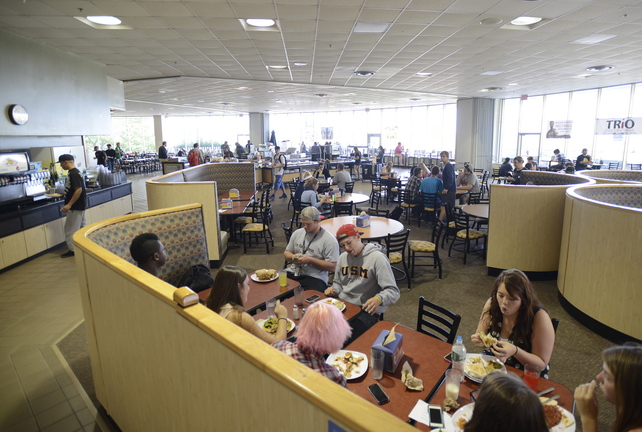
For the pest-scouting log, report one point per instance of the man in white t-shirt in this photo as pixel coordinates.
(341, 177)
(312, 252)
(278, 167)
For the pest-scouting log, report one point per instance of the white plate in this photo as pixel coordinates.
(357, 371)
(331, 301)
(484, 357)
(255, 278)
(291, 324)
(466, 412)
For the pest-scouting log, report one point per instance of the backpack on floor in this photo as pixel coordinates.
(396, 213)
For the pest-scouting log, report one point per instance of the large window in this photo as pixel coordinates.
(209, 131)
(523, 120)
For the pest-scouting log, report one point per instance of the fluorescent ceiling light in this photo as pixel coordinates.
(512, 84)
(593, 39)
(426, 74)
(364, 73)
(277, 67)
(104, 20)
(260, 22)
(600, 68)
(490, 21)
(300, 63)
(525, 21)
(491, 73)
(371, 27)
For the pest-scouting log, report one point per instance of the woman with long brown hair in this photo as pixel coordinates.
(621, 383)
(229, 293)
(516, 318)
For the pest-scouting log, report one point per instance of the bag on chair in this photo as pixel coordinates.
(198, 278)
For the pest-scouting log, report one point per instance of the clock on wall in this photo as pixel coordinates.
(18, 114)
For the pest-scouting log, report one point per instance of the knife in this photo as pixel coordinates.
(552, 398)
(543, 392)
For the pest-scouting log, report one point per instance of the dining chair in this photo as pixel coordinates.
(374, 203)
(430, 208)
(342, 208)
(378, 212)
(287, 231)
(465, 234)
(473, 198)
(292, 185)
(614, 165)
(437, 321)
(426, 249)
(396, 252)
(376, 191)
(296, 212)
(636, 167)
(349, 187)
(258, 229)
(496, 175)
(484, 184)
(406, 206)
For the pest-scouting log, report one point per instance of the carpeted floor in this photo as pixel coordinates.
(463, 289)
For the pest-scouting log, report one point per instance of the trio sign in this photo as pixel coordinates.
(627, 125)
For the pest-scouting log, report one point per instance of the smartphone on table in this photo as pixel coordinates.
(436, 416)
(312, 298)
(377, 392)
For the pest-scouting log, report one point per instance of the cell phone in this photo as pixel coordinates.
(312, 298)
(436, 416)
(377, 392)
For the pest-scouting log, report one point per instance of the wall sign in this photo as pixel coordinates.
(626, 125)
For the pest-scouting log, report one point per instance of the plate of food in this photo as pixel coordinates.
(265, 275)
(462, 416)
(557, 418)
(352, 364)
(271, 325)
(477, 366)
(335, 302)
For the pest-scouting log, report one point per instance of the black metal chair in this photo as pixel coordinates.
(614, 165)
(292, 185)
(377, 188)
(296, 207)
(405, 205)
(287, 231)
(426, 249)
(374, 203)
(465, 234)
(484, 184)
(349, 187)
(378, 212)
(636, 167)
(342, 208)
(430, 208)
(396, 251)
(437, 321)
(257, 229)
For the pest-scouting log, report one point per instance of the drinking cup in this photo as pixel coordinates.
(377, 358)
(270, 304)
(531, 376)
(298, 296)
(283, 279)
(453, 380)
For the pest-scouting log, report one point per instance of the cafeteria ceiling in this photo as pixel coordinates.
(196, 57)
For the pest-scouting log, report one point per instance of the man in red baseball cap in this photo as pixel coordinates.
(363, 277)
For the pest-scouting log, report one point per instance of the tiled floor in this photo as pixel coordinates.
(39, 304)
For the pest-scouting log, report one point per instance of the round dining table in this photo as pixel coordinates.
(356, 198)
(477, 210)
(379, 227)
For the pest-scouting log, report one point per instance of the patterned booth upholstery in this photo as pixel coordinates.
(180, 229)
(621, 176)
(623, 196)
(226, 175)
(546, 178)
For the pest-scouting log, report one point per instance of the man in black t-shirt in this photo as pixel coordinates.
(75, 201)
(111, 157)
(100, 156)
(162, 151)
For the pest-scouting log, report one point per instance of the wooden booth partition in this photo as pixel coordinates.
(599, 269)
(613, 176)
(160, 367)
(525, 224)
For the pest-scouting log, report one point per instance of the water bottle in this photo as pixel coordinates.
(459, 355)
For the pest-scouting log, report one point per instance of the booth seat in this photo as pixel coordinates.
(201, 184)
(615, 176)
(525, 224)
(158, 366)
(599, 274)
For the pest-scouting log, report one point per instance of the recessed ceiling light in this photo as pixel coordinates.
(600, 68)
(104, 20)
(300, 63)
(491, 73)
(415, 99)
(364, 73)
(525, 21)
(321, 95)
(512, 84)
(491, 89)
(426, 74)
(490, 21)
(161, 91)
(593, 39)
(371, 27)
(270, 91)
(260, 22)
(277, 67)
(243, 88)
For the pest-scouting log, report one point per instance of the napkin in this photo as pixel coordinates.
(411, 382)
(391, 336)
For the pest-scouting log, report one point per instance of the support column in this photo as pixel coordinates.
(259, 128)
(475, 125)
(158, 131)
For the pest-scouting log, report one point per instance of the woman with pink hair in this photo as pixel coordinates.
(323, 330)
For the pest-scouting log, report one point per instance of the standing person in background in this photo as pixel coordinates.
(278, 168)
(100, 156)
(120, 153)
(75, 201)
(162, 151)
(195, 156)
(449, 194)
(621, 384)
(248, 147)
(357, 163)
(315, 151)
(380, 153)
(111, 157)
(303, 148)
(399, 152)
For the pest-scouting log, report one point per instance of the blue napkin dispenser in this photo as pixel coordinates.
(393, 352)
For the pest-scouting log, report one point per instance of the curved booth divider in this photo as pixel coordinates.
(617, 177)
(158, 366)
(599, 268)
(525, 224)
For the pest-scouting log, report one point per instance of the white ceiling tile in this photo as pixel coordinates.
(166, 9)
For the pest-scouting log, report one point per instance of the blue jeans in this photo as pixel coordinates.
(278, 182)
